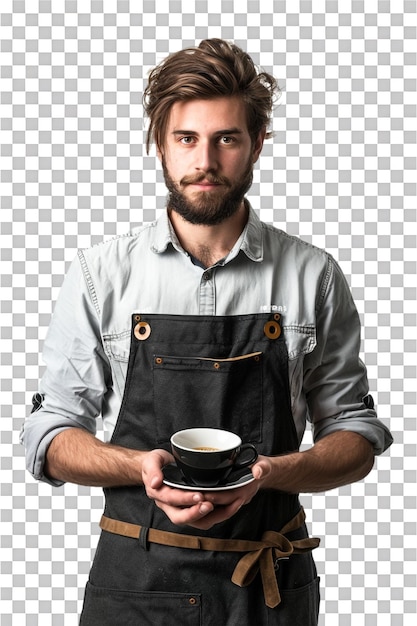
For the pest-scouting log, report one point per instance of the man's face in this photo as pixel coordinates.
(208, 158)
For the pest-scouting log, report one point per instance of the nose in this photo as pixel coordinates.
(205, 157)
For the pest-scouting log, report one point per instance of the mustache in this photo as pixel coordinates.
(207, 177)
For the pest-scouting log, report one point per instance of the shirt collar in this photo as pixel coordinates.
(250, 241)
(164, 235)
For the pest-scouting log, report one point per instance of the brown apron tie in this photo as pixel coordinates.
(260, 555)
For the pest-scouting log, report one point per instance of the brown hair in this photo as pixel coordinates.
(216, 68)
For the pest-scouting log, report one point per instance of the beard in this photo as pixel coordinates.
(208, 208)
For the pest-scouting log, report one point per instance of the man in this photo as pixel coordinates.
(205, 318)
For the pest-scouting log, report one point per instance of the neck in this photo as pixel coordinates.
(209, 244)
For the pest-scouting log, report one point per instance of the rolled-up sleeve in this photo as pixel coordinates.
(77, 374)
(335, 379)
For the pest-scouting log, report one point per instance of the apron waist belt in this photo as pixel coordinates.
(260, 555)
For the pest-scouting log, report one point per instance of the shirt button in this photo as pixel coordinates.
(207, 275)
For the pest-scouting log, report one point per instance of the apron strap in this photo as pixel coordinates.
(260, 555)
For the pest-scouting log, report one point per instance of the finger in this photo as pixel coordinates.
(218, 515)
(186, 516)
(261, 469)
(152, 467)
(156, 480)
(257, 471)
(225, 498)
(175, 497)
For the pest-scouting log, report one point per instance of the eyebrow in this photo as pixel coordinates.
(226, 131)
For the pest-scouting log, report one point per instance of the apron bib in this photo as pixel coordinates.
(226, 372)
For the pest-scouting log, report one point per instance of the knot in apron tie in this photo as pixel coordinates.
(276, 547)
(261, 556)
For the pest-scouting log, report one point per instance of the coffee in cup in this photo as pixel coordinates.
(206, 456)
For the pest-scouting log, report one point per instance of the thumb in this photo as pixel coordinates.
(260, 469)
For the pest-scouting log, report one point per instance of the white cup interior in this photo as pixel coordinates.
(192, 438)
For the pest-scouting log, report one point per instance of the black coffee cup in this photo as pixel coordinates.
(206, 456)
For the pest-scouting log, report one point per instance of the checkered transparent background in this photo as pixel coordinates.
(340, 172)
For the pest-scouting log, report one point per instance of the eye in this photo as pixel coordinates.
(187, 140)
(226, 140)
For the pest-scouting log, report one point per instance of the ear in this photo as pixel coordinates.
(258, 145)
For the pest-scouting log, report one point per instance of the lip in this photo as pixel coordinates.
(205, 185)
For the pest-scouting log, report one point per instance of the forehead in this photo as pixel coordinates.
(208, 116)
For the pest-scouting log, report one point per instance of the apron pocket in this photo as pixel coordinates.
(298, 606)
(219, 393)
(108, 607)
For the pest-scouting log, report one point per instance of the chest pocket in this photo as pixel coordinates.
(217, 393)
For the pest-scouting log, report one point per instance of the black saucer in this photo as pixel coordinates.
(174, 478)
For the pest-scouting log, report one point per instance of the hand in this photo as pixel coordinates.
(228, 503)
(193, 508)
(181, 507)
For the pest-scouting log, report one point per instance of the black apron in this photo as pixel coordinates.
(183, 372)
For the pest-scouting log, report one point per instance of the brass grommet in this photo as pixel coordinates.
(137, 318)
(277, 317)
(142, 331)
(192, 601)
(272, 329)
(158, 360)
(216, 365)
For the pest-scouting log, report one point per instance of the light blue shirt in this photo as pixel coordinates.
(147, 271)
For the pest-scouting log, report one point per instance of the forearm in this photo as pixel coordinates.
(339, 459)
(76, 456)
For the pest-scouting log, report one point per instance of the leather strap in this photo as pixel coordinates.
(260, 555)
